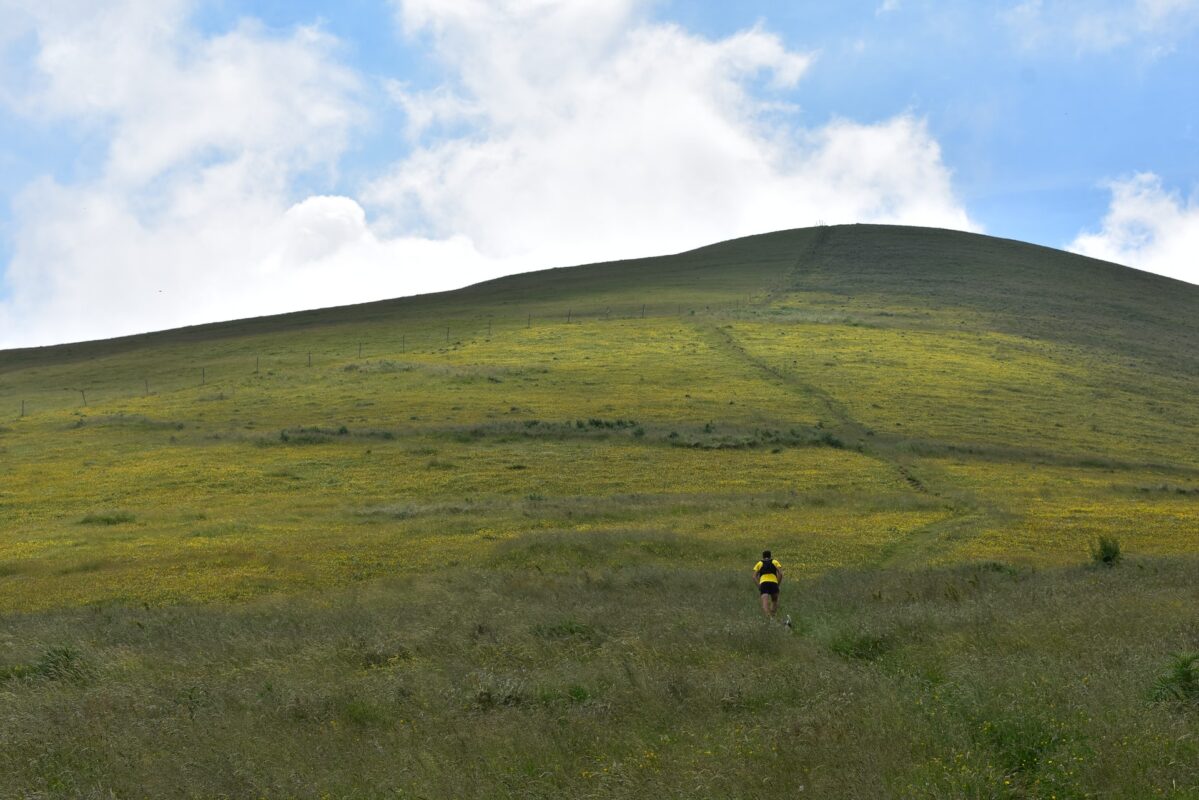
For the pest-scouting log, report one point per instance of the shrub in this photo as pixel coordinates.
(108, 518)
(1106, 551)
(1181, 682)
(829, 440)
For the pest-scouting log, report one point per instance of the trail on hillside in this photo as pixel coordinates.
(805, 260)
(969, 513)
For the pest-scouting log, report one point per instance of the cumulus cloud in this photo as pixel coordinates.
(190, 216)
(583, 131)
(1149, 227)
(562, 132)
(1094, 26)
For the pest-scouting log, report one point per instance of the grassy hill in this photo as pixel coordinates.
(496, 542)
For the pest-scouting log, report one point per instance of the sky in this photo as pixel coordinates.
(173, 162)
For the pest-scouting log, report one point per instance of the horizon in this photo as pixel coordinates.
(181, 163)
(536, 270)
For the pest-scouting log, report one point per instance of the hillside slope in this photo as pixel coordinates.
(955, 376)
(496, 542)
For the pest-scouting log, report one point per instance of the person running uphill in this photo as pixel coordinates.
(768, 575)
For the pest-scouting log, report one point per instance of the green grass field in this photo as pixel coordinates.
(497, 542)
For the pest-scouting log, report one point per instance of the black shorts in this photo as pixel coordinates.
(768, 587)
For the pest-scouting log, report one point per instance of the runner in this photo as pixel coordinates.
(768, 576)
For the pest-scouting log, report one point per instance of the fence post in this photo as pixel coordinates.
(256, 364)
(83, 392)
(203, 376)
(568, 316)
(643, 310)
(403, 343)
(310, 359)
(360, 349)
(22, 408)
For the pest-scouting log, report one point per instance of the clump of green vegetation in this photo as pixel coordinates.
(56, 664)
(1180, 683)
(307, 436)
(108, 518)
(1106, 551)
(569, 629)
(860, 645)
(364, 713)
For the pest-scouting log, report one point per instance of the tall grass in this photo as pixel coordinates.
(623, 682)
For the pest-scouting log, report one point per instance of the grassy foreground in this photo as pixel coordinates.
(642, 680)
(496, 543)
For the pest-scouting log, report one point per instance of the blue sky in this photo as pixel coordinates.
(179, 161)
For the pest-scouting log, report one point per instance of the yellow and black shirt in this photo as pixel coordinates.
(769, 577)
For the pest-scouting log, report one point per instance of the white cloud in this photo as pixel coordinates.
(591, 133)
(1147, 227)
(190, 217)
(565, 132)
(1152, 26)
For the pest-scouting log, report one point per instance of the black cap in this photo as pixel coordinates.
(765, 554)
